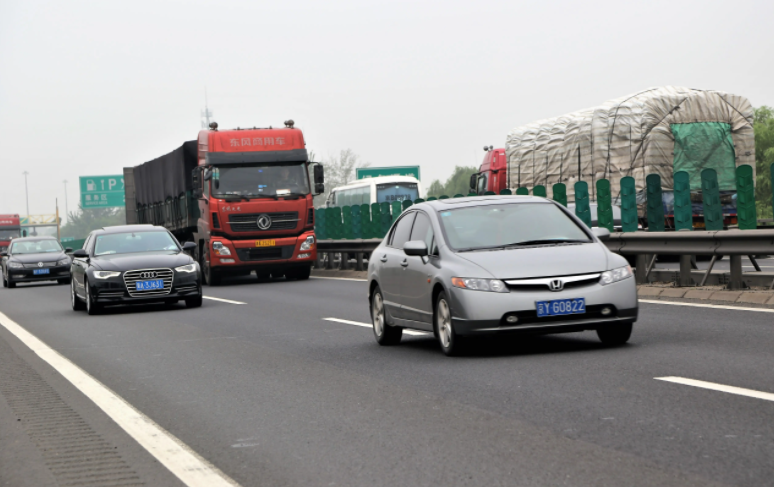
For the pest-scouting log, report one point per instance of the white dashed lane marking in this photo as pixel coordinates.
(740, 391)
(223, 300)
(369, 325)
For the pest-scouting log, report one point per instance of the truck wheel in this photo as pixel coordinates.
(211, 277)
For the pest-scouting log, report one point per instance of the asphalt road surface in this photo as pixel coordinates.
(271, 392)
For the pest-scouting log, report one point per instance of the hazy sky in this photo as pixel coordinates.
(88, 87)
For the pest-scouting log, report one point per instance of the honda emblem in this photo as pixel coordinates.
(556, 285)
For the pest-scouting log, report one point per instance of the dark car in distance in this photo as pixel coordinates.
(134, 264)
(33, 259)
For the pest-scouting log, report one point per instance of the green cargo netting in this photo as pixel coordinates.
(655, 206)
(604, 205)
(539, 190)
(705, 145)
(522, 191)
(745, 198)
(506, 191)
(713, 212)
(683, 208)
(628, 204)
(559, 191)
(582, 208)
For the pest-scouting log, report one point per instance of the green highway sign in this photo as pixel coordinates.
(374, 172)
(102, 191)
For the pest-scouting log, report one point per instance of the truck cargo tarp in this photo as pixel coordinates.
(703, 145)
(633, 136)
(168, 176)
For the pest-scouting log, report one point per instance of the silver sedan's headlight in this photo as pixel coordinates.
(105, 274)
(187, 268)
(615, 275)
(63, 262)
(307, 243)
(15, 265)
(492, 285)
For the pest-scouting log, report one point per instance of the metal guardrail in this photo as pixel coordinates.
(645, 245)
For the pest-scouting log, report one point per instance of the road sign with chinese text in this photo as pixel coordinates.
(373, 172)
(102, 191)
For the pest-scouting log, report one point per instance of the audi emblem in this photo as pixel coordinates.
(148, 275)
(263, 222)
(40, 264)
(556, 285)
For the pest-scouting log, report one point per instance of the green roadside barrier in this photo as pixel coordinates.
(771, 169)
(604, 205)
(506, 191)
(458, 195)
(319, 223)
(406, 204)
(683, 208)
(489, 193)
(582, 208)
(346, 227)
(365, 221)
(745, 198)
(629, 221)
(710, 193)
(376, 221)
(540, 190)
(357, 228)
(418, 200)
(384, 209)
(559, 190)
(522, 191)
(74, 244)
(472, 194)
(443, 197)
(397, 209)
(655, 203)
(432, 198)
(334, 223)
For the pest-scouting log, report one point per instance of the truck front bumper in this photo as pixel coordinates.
(258, 254)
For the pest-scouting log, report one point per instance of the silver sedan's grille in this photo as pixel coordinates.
(131, 277)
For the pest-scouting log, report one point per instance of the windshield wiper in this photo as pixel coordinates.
(546, 241)
(476, 249)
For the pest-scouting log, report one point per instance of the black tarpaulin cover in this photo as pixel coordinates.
(168, 176)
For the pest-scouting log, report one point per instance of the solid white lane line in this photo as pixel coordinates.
(186, 464)
(369, 325)
(699, 305)
(223, 300)
(767, 396)
(339, 278)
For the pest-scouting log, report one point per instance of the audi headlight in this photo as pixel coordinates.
(492, 285)
(307, 243)
(63, 262)
(187, 268)
(105, 274)
(615, 275)
(219, 249)
(15, 265)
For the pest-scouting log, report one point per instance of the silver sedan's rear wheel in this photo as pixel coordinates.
(384, 333)
(451, 343)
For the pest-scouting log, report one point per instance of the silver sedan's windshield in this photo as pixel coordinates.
(504, 225)
(126, 243)
(260, 180)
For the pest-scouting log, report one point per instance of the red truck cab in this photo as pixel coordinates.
(10, 228)
(493, 174)
(255, 203)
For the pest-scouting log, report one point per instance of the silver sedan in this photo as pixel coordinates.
(497, 264)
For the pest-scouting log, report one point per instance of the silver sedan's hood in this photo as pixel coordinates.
(543, 261)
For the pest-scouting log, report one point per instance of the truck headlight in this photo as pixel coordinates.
(615, 275)
(492, 285)
(307, 243)
(187, 268)
(105, 274)
(219, 249)
(15, 265)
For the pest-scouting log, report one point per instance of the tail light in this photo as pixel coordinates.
(215, 220)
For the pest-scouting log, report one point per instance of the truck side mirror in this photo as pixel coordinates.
(473, 181)
(196, 183)
(319, 175)
(207, 174)
(319, 188)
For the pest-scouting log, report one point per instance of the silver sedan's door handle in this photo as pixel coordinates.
(404, 263)
(384, 258)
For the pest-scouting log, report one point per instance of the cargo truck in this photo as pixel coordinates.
(243, 196)
(10, 228)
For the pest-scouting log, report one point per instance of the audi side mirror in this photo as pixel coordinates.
(3, 254)
(80, 254)
(68, 250)
(415, 247)
(189, 246)
(601, 233)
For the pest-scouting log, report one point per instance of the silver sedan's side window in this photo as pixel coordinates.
(423, 230)
(401, 231)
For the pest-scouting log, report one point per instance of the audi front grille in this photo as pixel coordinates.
(131, 277)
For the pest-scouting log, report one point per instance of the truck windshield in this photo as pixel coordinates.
(258, 180)
(9, 234)
(396, 192)
(35, 247)
(127, 243)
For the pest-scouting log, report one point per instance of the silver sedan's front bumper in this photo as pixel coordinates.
(477, 312)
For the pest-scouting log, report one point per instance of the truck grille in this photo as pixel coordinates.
(131, 277)
(265, 253)
(249, 222)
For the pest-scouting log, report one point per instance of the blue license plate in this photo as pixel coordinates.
(561, 307)
(149, 285)
(38, 272)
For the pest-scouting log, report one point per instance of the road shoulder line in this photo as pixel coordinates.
(701, 305)
(741, 391)
(369, 325)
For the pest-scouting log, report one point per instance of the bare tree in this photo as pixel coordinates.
(339, 171)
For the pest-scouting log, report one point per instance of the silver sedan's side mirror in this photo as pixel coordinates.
(415, 247)
(601, 233)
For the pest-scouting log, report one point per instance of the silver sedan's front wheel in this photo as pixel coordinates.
(384, 333)
(451, 343)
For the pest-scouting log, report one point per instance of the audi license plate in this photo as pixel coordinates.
(38, 272)
(561, 307)
(149, 285)
(265, 243)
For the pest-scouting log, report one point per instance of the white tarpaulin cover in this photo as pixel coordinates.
(628, 136)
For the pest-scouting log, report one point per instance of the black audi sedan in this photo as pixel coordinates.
(33, 259)
(134, 264)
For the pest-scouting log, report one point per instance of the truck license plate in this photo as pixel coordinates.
(561, 307)
(265, 243)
